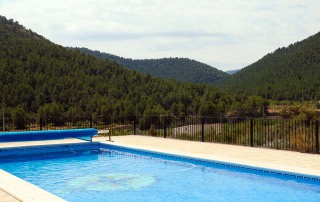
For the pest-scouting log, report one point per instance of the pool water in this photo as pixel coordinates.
(111, 173)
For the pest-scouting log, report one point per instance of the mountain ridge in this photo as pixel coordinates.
(40, 77)
(288, 73)
(181, 69)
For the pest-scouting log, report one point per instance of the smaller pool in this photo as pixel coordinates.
(100, 172)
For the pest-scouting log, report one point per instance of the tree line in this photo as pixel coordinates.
(44, 79)
(181, 69)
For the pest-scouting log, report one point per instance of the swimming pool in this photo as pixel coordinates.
(100, 172)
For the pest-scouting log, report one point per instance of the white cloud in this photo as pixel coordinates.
(224, 34)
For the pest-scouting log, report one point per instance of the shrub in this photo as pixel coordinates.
(289, 112)
(152, 130)
(307, 112)
(19, 116)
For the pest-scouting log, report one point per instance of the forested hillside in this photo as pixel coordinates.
(181, 69)
(40, 77)
(291, 73)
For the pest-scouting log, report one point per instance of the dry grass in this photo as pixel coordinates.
(300, 143)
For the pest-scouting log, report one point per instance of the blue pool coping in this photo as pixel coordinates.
(83, 134)
(45, 149)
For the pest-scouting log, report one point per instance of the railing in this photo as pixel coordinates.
(295, 135)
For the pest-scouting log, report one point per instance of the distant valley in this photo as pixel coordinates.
(231, 72)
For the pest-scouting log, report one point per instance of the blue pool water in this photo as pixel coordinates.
(100, 172)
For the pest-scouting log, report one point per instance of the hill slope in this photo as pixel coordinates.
(288, 73)
(181, 69)
(39, 76)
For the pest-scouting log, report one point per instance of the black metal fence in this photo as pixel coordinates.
(295, 135)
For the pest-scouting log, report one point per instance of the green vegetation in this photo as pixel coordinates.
(290, 73)
(181, 69)
(19, 118)
(253, 106)
(41, 78)
(298, 111)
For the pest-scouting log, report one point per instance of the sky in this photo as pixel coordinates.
(226, 34)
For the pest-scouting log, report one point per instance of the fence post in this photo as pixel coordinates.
(164, 127)
(91, 122)
(3, 121)
(317, 136)
(41, 123)
(202, 128)
(251, 132)
(134, 125)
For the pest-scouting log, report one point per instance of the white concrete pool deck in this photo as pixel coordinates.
(308, 164)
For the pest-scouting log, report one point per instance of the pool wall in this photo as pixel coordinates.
(233, 166)
(44, 149)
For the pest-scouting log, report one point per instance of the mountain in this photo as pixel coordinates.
(290, 73)
(181, 69)
(230, 72)
(40, 77)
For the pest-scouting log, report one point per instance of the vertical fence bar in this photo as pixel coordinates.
(164, 127)
(251, 132)
(305, 134)
(202, 129)
(317, 136)
(289, 135)
(91, 122)
(295, 134)
(41, 123)
(134, 125)
(3, 123)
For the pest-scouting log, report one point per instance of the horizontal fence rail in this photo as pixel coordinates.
(294, 135)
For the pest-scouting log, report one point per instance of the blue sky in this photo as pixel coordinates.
(224, 34)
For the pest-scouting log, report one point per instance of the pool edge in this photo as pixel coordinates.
(284, 171)
(25, 191)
